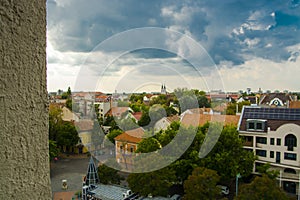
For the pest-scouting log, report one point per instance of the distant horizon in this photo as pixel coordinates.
(213, 91)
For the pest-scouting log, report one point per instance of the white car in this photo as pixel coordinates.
(224, 189)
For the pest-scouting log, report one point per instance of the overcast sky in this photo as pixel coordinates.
(228, 45)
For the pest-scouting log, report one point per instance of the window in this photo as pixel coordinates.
(272, 141)
(290, 141)
(256, 125)
(262, 153)
(259, 126)
(289, 170)
(278, 141)
(290, 156)
(131, 149)
(262, 140)
(251, 125)
(271, 154)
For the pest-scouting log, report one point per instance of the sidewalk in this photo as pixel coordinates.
(64, 195)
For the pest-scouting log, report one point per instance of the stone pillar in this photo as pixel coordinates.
(24, 161)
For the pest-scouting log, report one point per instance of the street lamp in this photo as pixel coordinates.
(237, 183)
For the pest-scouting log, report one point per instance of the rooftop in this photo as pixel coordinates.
(133, 136)
(201, 119)
(275, 117)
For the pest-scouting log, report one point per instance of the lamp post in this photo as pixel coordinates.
(237, 183)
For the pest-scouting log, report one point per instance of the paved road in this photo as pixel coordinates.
(71, 169)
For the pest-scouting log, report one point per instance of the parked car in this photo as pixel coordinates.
(224, 189)
(176, 197)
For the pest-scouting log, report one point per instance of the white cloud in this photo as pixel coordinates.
(263, 73)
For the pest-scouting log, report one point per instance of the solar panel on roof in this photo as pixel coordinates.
(272, 113)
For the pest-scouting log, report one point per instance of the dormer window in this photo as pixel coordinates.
(256, 125)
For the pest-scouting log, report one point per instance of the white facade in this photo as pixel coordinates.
(276, 142)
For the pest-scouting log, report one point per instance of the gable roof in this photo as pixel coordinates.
(137, 115)
(118, 111)
(267, 98)
(68, 115)
(132, 136)
(84, 125)
(201, 119)
(173, 118)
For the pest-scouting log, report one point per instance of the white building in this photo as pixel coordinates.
(273, 134)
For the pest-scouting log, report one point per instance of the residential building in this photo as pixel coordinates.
(104, 107)
(273, 134)
(120, 112)
(276, 99)
(68, 115)
(126, 145)
(165, 122)
(84, 129)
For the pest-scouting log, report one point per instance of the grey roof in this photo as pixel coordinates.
(92, 173)
(271, 113)
(108, 192)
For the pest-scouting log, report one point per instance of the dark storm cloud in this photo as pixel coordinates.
(229, 30)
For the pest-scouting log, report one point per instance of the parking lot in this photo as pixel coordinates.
(72, 169)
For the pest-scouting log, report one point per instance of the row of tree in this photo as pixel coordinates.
(61, 133)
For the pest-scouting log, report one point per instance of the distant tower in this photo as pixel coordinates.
(248, 91)
(92, 173)
(163, 89)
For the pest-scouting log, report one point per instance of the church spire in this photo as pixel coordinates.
(92, 173)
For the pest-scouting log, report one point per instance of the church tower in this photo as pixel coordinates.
(163, 89)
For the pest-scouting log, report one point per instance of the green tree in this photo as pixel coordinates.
(188, 102)
(261, 188)
(53, 150)
(69, 104)
(265, 169)
(108, 175)
(123, 104)
(228, 157)
(156, 183)
(136, 98)
(145, 119)
(110, 121)
(114, 133)
(160, 99)
(55, 120)
(69, 92)
(201, 185)
(170, 111)
(67, 135)
(127, 124)
(148, 145)
(203, 101)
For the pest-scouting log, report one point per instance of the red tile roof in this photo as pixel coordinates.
(132, 136)
(201, 119)
(117, 111)
(294, 104)
(137, 115)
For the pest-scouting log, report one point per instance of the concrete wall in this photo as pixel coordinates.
(24, 162)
